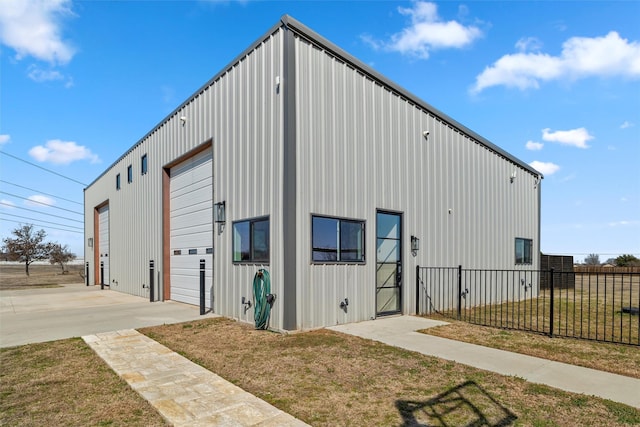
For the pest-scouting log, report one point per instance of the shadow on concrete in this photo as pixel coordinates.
(466, 404)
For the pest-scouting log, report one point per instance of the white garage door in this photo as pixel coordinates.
(103, 233)
(191, 214)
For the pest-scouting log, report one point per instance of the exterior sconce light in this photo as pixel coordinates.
(183, 120)
(219, 212)
(415, 244)
(512, 177)
(90, 242)
(425, 134)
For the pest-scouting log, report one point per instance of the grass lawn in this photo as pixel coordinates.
(326, 378)
(12, 276)
(617, 358)
(64, 383)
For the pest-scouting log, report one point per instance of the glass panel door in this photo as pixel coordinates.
(388, 263)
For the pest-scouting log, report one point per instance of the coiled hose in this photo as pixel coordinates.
(262, 298)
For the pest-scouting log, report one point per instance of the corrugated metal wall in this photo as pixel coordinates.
(240, 112)
(361, 148)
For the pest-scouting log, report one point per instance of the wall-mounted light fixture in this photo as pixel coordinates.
(183, 120)
(219, 212)
(415, 244)
(425, 134)
(90, 242)
(512, 177)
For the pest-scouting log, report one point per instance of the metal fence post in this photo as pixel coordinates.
(459, 292)
(86, 273)
(202, 261)
(152, 285)
(551, 304)
(418, 289)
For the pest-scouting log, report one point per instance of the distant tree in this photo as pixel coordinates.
(611, 261)
(59, 254)
(627, 260)
(27, 247)
(592, 259)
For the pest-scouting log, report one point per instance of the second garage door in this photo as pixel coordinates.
(191, 214)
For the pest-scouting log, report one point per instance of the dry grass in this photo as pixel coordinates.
(327, 379)
(12, 276)
(64, 383)
(615, 358)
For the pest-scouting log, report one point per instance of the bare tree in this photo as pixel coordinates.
(27, 247)
(592, 259)
(59, 254)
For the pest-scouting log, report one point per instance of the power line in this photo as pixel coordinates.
(41, 220)
(41, 192)
(44, 169)
(33, 210)
(41, 203)
(46, 226)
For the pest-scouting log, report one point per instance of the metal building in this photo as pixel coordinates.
(300, 159)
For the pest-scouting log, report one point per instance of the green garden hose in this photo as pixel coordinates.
(262, 298)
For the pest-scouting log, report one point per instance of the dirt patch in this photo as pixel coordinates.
(65, 383)
(326, 378)
(12, 276)
(616, 358)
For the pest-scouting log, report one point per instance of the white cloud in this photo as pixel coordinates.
(623, 223)
(33, 28)
(546, 168)
(581, 57)
(426, 32)
(4, 138)
(40, 75)
(7, 204)
(626, 125)
(528, 44)
(62, 152)
(534, 146)
(574, 137)
(39, 200)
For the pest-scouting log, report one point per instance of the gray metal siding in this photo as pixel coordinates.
(240, 112)
(361, 148)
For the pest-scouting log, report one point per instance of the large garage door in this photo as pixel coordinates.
(103, 224)
(191, 213)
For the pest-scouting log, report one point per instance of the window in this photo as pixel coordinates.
(251, 240)
(118, 182)
(337, 240)
(143, 165)
(523, 250)
(129, 174)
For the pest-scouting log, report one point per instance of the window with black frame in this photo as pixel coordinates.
(337, 240)
(524, 251)
(251, 240)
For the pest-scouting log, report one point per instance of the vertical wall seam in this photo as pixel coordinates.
(289, 200)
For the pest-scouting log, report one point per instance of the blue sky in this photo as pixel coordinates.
(557, 84)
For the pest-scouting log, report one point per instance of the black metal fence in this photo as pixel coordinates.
(597, 306)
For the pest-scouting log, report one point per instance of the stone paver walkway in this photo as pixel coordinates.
(184, 393)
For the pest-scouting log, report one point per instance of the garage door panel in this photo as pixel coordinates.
(191, 222)
(103, 233)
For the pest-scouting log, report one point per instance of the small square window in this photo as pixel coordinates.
(118, 182)
(251, 240)
(129, 174)
(143, 165)
(524, 249)
(337, 240)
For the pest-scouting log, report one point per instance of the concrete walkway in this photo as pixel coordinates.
(184, 393)
(400, 332)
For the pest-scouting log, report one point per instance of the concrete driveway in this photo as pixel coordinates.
(38, 315)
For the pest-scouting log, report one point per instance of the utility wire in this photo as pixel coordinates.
(44, 169)
(42, 220)
(46, 226)
(41, 203)
(41, 192)
(33, 210)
